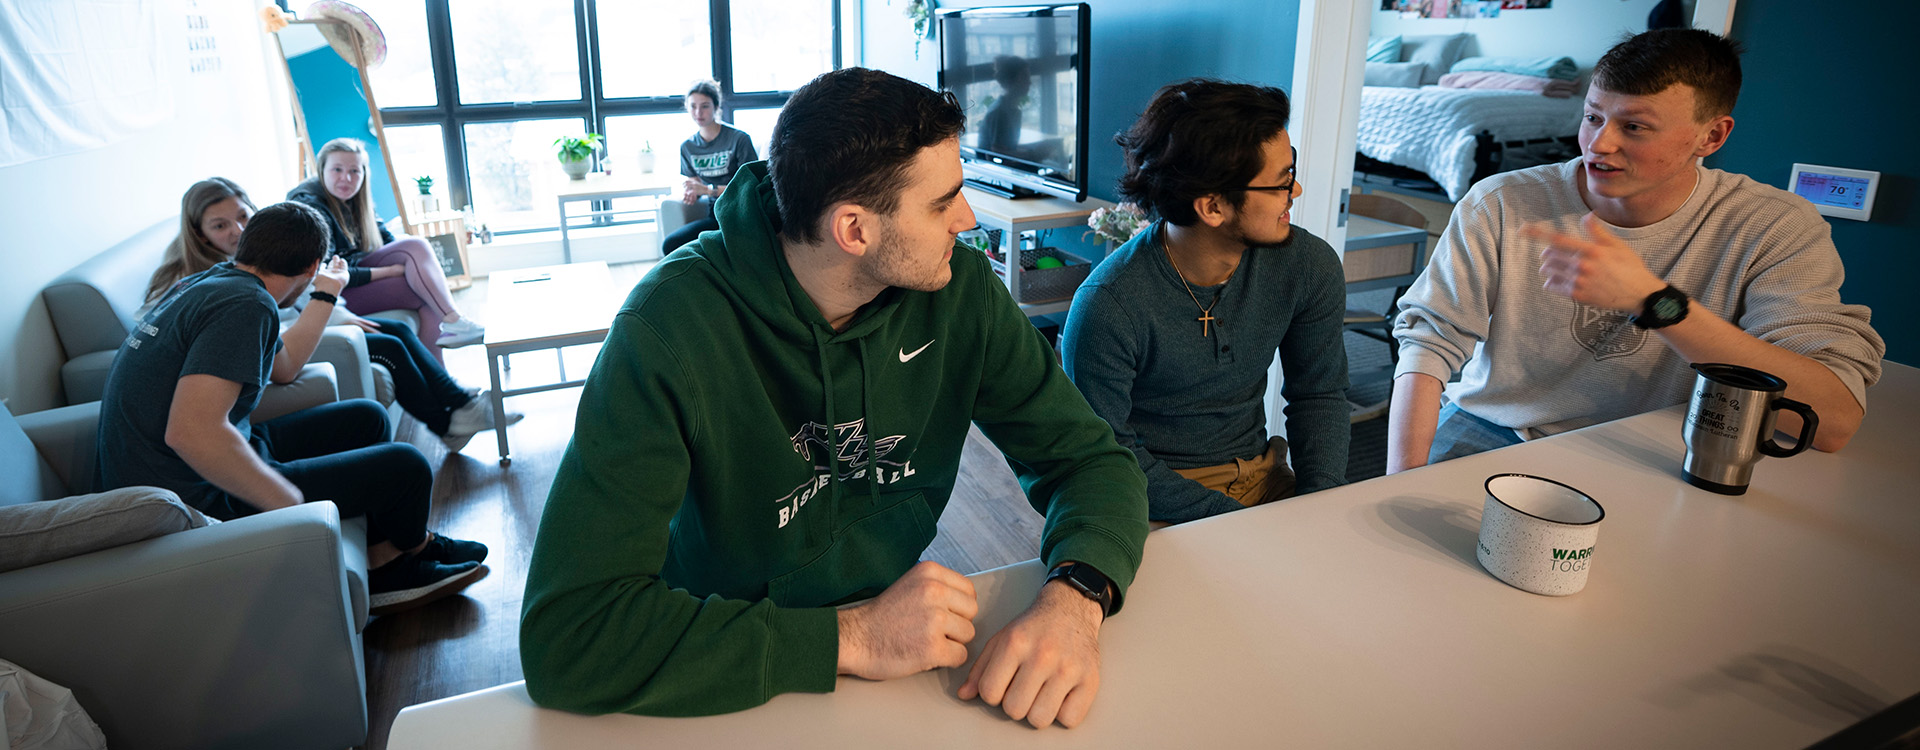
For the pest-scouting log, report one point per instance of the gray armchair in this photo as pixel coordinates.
(244, 634)
(92, 308)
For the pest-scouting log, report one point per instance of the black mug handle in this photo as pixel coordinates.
(1808, 423)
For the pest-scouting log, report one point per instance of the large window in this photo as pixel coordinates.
(417, 151)
(779, 45)
(406, 78)
(474, 92)
(513, 176)
(516, 51)
(653, 47)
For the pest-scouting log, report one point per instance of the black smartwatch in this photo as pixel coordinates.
(320, 296)
(1091, 584)
(1662, 308)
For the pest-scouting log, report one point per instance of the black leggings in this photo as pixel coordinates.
(340, 452)
(420, 383)
(687, 232)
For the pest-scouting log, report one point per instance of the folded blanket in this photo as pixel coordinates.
(1545, 67)
(1553, 87)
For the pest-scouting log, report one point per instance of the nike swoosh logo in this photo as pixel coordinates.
(905, 355)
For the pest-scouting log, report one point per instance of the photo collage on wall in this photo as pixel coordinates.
(1460, 8)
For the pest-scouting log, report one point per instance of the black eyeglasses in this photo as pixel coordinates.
(1293, 178)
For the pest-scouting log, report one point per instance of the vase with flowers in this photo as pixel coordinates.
(1117, 225)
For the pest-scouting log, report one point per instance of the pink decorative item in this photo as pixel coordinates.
(372, 43)
(1553, 87)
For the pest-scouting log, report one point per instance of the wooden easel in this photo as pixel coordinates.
(426, 225)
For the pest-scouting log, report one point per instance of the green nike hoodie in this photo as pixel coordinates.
(738, 467)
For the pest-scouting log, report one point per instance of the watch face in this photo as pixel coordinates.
(1086, 582)
(1667, 308)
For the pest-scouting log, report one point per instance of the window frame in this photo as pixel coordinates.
(594, 106)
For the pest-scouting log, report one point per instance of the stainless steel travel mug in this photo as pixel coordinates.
(1729, 426)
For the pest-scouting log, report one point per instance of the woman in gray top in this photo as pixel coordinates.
(708, 159)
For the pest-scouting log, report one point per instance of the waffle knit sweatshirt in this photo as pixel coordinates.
(1539, 363)
(739, 467)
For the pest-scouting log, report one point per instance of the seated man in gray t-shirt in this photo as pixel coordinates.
(175, 413)
(1571, 294)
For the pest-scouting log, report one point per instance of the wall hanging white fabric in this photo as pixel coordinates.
(80, 76)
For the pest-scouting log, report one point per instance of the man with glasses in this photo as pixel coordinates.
(1171, 337)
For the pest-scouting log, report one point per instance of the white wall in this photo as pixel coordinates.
(1580, 29)
(57, 212)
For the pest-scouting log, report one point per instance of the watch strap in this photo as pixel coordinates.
(320, 296)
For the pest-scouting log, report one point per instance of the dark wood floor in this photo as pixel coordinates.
(468, 643)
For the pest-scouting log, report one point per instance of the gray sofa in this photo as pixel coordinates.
(92, 309)
(244, 634)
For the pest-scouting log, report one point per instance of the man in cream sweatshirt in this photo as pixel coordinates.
(1572, 294)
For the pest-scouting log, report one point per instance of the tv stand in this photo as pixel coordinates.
(1014, 218)
(1004, 190)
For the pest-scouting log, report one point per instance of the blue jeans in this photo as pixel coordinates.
(1462, 434)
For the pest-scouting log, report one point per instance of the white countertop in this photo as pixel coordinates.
(1358, 617)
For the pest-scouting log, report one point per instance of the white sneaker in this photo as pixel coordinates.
(475, 417)
(460, 333)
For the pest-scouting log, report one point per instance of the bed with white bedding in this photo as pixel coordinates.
(1433, 129)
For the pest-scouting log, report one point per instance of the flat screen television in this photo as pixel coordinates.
(1021, 74)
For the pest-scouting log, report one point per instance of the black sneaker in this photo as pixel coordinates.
(453, 551)
(413, 580)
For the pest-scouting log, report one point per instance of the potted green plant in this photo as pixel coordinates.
(646, 157)
(576, 154)
(428, 202)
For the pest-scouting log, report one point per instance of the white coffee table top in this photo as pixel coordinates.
(530, 304)
(1358, 617)
(620, 183)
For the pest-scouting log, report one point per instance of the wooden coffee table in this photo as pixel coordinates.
(545, 307)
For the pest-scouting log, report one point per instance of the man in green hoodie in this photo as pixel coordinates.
(776, 423)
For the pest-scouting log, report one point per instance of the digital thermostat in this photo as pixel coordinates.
(1836, 191)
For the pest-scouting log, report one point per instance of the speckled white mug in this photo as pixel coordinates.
(1538, 534)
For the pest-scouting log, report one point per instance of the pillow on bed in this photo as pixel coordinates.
(1399, 75)
(1437, 51)
(1383, 49)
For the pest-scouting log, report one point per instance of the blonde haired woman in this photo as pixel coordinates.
(385, 273)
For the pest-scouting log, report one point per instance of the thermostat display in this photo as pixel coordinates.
(1832, 190)
(1838, 192)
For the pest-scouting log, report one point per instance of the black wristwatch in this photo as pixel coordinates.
(320, 296)
(1662, 308)
(1091, 583)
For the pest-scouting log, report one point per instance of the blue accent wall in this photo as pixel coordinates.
(334, 107)
(1832, 84)
(1138, 46)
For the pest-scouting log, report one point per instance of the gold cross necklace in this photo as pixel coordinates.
(1206, 313)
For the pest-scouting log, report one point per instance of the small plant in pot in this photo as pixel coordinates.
(428, 202)
(646, 157)
(576, 154)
